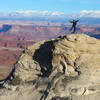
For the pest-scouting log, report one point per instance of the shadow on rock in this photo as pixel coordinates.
(61, 98)
(44, 56)
(6, 28)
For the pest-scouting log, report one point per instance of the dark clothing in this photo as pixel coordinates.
(74, 25)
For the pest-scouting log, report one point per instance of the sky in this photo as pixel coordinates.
(65, 6)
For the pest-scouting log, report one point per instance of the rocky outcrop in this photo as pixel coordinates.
(66, 68)
(77, 56)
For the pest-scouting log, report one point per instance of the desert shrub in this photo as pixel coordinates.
(15, 81)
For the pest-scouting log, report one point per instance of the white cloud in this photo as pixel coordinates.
(86, 13)
(30, 13)
(50, 14)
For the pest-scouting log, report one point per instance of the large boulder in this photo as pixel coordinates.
(66, 68)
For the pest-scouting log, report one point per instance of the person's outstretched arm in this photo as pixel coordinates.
(77, 20)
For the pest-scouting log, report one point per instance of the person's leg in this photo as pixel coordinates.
(74, 29)
(71, 28)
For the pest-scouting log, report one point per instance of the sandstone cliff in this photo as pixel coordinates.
(66, 68)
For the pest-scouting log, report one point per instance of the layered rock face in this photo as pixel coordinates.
(66, 68)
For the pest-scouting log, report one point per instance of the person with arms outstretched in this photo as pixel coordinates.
(74, 23)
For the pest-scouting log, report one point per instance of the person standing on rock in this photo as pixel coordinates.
(74, 23)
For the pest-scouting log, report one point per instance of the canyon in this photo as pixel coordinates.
(16, 36)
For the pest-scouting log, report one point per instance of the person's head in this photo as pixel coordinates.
(73, 19)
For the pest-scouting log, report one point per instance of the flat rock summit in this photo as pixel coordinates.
(65, 68)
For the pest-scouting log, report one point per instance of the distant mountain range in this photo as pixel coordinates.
(85, 17)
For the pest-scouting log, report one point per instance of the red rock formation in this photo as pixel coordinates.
(87, 29)
(8, 57)
(20, 35)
